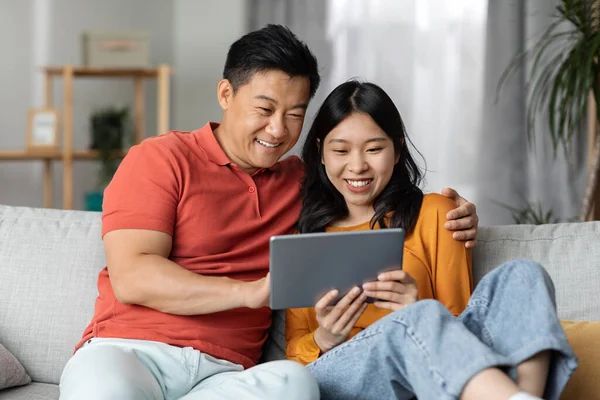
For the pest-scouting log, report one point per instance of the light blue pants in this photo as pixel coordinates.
(425, 351)
(124, 369)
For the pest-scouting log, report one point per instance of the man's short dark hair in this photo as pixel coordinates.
(273, 47)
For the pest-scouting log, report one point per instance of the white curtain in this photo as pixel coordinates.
(440, 61)
(428, 56)
(509, 170)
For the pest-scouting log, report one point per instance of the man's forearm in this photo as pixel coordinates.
(159, 283)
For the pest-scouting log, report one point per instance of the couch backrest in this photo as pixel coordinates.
(49, 264)
(50, 260)
(570, 252)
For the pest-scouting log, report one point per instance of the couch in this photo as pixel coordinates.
(50, 259)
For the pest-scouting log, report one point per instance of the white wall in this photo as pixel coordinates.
(70, 18)
(191, 35)
(202, 36)
(15, 98)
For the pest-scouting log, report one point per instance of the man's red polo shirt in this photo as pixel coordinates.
(221, 219)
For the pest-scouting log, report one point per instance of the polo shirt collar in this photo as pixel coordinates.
(212, 148)
(208, 143)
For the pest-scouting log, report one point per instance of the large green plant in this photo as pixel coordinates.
(564, 70)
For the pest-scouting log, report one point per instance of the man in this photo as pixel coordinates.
(182, 305)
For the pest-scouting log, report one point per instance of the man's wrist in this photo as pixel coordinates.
(238, 289)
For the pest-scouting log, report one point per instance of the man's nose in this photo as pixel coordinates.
(276, 127)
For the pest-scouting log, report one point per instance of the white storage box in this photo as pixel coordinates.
(116, 49)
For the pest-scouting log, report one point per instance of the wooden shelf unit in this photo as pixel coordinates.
(67, 154)
(51, 155)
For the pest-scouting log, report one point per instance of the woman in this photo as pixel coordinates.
(425, 335)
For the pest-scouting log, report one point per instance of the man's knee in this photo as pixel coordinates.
(299, 382)
(117, 388)
(107, 372)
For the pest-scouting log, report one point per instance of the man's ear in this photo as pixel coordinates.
(224, 93)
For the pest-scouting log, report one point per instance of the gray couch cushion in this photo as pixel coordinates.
(569, 252)
(12, 372)
(49, 263)
(33, 391)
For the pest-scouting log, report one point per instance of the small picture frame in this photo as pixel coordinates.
(42, 129)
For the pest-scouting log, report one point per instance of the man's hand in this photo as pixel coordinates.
(393, 290)
(336, 323)
(256, 294)
(463, 220)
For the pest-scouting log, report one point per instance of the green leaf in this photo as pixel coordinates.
(564, 71)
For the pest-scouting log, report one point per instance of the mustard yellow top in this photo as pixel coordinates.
(440, 264)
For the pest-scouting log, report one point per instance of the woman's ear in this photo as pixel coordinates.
(319, 149)
(400, 152)
(224, 93)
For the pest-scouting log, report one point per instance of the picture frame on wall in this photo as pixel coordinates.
(42, 129)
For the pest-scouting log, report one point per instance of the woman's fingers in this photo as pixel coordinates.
(389, 286)
(341, 306)
(348, 328)
(398, 304)
(384, 295)
(349, 313)
(321, 307)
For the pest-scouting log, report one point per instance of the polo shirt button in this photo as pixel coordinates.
(251, 189)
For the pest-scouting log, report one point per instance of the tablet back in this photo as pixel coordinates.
(306, 266)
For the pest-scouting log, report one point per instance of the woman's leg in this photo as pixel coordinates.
(422, 350)
(513, 311)
(532, 374)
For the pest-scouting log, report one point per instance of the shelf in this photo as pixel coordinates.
(68, 73)
(105, 72)
(51, 155)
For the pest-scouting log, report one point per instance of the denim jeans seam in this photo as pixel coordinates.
(481, 302)
(437, 375)
(529, 350)
(351, 343)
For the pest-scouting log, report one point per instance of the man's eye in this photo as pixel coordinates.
(296, 116)
(265, 110)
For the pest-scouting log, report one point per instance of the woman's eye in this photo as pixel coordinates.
(339, 151)
(375, 150)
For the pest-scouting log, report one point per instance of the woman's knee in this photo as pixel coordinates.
(527, 271)
(422, 311)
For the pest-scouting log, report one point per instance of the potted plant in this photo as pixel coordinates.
(109, 128)
(565, 69)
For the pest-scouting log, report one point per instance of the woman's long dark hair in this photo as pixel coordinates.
(322, 204)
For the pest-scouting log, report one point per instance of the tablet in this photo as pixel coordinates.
(306, 266)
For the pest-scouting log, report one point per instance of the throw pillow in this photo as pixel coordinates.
(12, 372)
(584, 337)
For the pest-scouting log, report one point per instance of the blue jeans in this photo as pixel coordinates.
(424, 351)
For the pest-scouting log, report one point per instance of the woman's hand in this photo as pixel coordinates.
(393, 290)
(336, 322)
